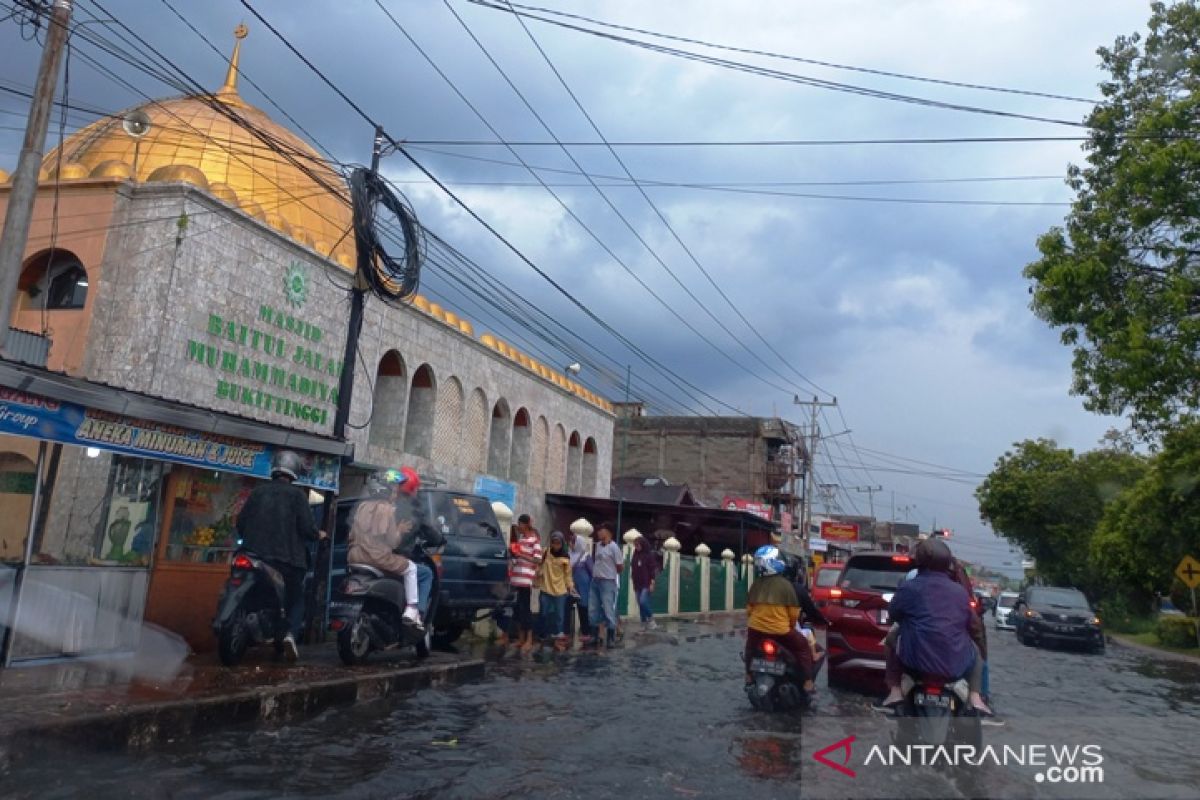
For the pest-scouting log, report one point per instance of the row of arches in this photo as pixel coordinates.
(436, 419)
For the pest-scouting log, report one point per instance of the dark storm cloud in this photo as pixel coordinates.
(914, 315)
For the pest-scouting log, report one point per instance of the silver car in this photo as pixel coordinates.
(1003, 611)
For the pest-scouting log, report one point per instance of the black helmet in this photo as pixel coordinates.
(287, 464)
(934, 554)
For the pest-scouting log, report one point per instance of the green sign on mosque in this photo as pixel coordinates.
(274, 362)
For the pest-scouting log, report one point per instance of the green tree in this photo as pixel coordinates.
(1123, 278)
(1150, 527)
(1049, 502)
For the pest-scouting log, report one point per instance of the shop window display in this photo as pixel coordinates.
(103, 509)
(205, 508)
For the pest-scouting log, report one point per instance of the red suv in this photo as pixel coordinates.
(825, 582)
(858, 618)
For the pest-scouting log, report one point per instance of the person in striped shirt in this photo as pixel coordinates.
(526, 557)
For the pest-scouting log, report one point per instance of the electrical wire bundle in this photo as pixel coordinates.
(390, 277)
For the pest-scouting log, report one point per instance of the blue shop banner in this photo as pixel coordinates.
(495, 490)
(41, 418)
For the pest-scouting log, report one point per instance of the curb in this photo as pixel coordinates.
(1149, 650)
(145, 726)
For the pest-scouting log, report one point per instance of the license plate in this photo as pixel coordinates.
(1063, 628)
(883, 616)
(932, 700)
(769, 667)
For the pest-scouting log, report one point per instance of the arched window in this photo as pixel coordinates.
(422, 403)
(499, 439)
(574, 464)
(54, 280)
(390, 402)
(448, 427)
(522, 445)
(556, 460)
(541, 452)
(589, 468)
(475, 432)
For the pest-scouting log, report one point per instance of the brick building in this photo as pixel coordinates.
(751, 459)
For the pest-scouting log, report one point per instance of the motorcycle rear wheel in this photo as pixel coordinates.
(353, 643)
(233, 639)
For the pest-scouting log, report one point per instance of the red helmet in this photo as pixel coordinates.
(411, 482)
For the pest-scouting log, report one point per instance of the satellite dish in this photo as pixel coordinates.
(136, 123)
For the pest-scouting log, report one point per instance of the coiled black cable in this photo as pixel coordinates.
(390, 277)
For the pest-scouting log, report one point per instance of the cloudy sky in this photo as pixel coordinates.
(914, 314)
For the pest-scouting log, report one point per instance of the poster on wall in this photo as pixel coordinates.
(41, 418)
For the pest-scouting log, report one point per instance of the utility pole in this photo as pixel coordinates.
(25, 178)
(341, 415)
(814, 437)
(870, 490)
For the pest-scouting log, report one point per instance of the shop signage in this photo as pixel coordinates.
(839, 531)
(818, 545)
(275, 362)
(785, 521)
(38, 417)
(738, 504)
(496, 490)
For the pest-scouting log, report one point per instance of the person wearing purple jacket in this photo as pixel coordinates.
(644, 569)
(934, 615)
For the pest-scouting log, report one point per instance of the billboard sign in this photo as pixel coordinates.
(832, 531)
(757, 509)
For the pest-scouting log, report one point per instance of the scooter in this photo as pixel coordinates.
(936, 711)
(368, 608)
(251, 608)
(775, 681)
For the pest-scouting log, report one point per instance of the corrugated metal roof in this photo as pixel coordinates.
(26, 348)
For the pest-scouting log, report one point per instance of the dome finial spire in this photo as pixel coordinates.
(229, 90)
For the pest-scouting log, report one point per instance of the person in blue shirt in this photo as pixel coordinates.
(933, 613)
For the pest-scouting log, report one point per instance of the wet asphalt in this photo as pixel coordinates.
(666, 717)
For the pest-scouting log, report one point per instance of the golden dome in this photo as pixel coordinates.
(71, 171)
(223, 192)
(183, 173)
(3, 176)
(113, 168)
(220, 143)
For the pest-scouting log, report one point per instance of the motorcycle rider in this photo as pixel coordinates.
(276, 525)
(377, 531)
(772, 611)
(933, 634)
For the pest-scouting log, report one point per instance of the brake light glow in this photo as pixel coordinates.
(769, 648)
(835, 593)
(974, 603)
(901, 559)
(242, 561)
(933, 690)
(337, 624)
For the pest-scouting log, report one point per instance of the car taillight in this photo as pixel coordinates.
(769, 648)
(901, 559)
(337, 624)
(241, 561)
(974, 604)
(835, 594)
(933, 690)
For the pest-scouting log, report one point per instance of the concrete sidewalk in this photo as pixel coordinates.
(97, 706)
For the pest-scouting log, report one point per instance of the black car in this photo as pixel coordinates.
(1053, 614)
(473, 562)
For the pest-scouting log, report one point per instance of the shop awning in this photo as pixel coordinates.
(67, 389)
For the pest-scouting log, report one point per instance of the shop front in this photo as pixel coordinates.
(118, 510)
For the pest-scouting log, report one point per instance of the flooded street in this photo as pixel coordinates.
(664, 719)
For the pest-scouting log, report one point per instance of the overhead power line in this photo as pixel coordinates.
(806, 80)
(799, 59)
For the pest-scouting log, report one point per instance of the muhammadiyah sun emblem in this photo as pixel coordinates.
(295, 285)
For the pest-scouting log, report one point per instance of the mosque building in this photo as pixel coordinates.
(181, 316)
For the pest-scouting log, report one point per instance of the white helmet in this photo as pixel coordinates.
(769, 561)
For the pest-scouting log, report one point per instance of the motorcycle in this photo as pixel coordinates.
(775, 681)
(367, 612)
(936, 711)
(251, 608)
